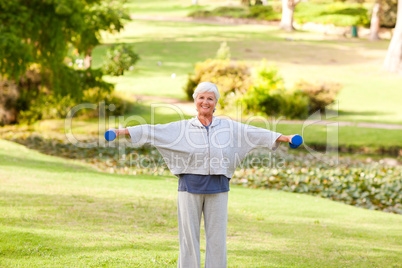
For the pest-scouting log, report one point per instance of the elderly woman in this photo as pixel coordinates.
(203, 152)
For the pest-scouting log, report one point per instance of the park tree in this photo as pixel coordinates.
(41, 32)
(246, 2)
(375, 21)
(38, 35)
(288, 8)
(393, 59)
(383, 15)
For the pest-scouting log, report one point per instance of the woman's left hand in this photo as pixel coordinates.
(287, 138)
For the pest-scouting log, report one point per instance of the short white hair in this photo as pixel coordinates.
(206, 87)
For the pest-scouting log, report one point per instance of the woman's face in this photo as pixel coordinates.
(205, 103)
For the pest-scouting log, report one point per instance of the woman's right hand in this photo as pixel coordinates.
(118, 132)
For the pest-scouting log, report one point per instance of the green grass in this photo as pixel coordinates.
(369, 93)
(57, 213)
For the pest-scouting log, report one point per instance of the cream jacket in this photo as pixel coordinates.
(187, 147)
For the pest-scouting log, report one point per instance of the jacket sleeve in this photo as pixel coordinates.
(256, 137)
(140, 135)
(157, 135)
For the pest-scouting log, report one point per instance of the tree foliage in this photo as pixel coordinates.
(36, 37)
(42, 31)
(120, 58)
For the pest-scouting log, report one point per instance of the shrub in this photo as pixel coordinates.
(337, 13)
(32, 98)
(120, 58)
(263, 12)
(200, 14)
(260, 99)
(234, 12)
(320, 94)
(49, 106)
(368, 185)
(268, 95)
(46, 106)
(231, 77)
(295, 105)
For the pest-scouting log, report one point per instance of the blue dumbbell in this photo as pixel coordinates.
(110, 135)
(296, 141)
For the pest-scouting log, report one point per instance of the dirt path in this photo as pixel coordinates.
(188, 108)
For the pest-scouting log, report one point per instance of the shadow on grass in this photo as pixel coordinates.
(362, 113)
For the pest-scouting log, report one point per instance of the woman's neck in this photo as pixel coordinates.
(205, 120)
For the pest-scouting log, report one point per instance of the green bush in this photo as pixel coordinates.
(320, 94)
(234, 12)
(368, 185)
(263, 100)
(263, 12)
(337, 13)
(269, 96)
(295, 105)
(33, 99)
(49, 106)
(231, 78)
(200, 14)
(120, 58)
(46, 106)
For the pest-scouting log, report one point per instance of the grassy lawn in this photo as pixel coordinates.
(57, 213)
(369, 94)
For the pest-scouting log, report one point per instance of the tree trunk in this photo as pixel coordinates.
(245, 2)
(393, 60)
(195, 2)
(288, 8)
(265, 2)
(88, 59)
(375, 21)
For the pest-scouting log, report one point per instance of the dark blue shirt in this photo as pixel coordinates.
(203, 184)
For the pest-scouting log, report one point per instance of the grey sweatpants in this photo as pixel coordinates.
(215, 209)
